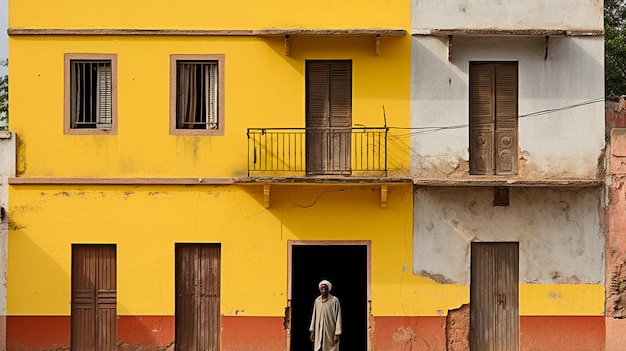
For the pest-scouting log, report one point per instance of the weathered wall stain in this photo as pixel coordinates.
(615, 221)
(616, 293)
(403, 334)
(439, 278)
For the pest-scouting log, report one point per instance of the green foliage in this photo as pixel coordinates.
(615, 48)
(4, 98)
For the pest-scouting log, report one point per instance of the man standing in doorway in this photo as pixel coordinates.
(325, 325)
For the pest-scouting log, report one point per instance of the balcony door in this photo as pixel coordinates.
(493, 118)
(328, 117)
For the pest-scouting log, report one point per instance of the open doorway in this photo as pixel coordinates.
(346, 266)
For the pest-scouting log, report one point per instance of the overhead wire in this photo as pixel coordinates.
(433, 129)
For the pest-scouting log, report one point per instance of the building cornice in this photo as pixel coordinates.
(444, 32)
(206, 32)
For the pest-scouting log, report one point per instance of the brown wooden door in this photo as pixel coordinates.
(197, 297)
(494, 297)
(94, 301)
(328, 116)
(493, 118)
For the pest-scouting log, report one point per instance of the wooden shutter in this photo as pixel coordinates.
(340, 94)
(94, 298)
(197, 297)
(105, 91)
(493, 118)
(328, 116)
(494, 297)
(506, 118)
(211, 98)
(482, 124)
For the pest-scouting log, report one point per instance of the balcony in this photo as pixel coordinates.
(296, 152)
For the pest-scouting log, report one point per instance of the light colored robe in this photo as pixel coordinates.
(326, 323)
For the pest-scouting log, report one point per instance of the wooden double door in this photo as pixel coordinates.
(197, 297)
(94, 298)
(494, 297)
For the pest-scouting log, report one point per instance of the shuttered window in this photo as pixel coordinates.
(493, 118)
(90, 101)
(91, 94)
(197, 94)
(329, 116)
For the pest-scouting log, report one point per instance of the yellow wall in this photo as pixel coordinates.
(146, 221)
(199, 14)
(263, 88)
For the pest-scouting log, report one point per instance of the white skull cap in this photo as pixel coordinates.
(328, 284)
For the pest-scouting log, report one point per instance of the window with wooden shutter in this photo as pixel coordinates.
(90, 96)
(328, 116)
(197, 95)
(493, 118)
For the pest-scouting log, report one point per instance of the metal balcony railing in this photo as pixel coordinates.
(317, 151)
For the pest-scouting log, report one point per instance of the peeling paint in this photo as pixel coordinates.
(153, 193)
(15, 226)
(616, 299)
(555, 295)
(458, 329)
(436, 277)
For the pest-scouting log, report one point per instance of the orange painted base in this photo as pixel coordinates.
(409, 333)
(562, 333)
(537, 333)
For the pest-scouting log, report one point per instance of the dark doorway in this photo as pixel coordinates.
(345, 266)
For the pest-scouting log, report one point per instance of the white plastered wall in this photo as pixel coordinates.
(508, 14)
(7, 169)
(561, 106)
(558, 231)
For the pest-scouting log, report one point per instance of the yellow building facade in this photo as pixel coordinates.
(117, 210)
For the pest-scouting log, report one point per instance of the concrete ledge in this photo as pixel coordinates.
(207, 181)
(506, 182)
